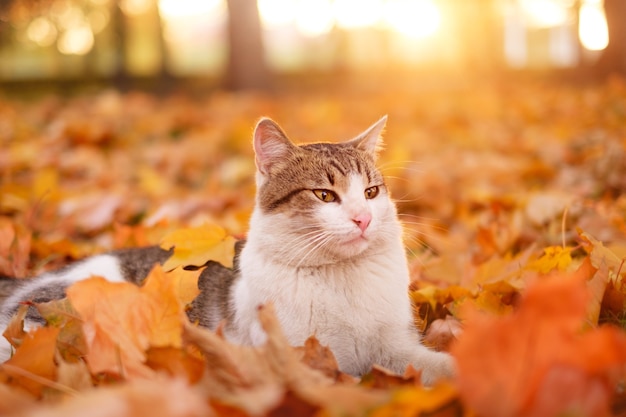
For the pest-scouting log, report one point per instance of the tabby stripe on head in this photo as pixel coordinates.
(338, 167)
(284, 199)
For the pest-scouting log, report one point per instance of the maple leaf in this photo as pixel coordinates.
(417, 400)
(32, 367)
(196, 246)
(61, 314)
(121, 321)
(15, 245)
(554, 258)
(539, 349)
(14, 332)
(115, 325)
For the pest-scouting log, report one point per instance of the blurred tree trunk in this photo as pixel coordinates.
(613, 59)
(479, 29)
(247, 68)
(118, 22)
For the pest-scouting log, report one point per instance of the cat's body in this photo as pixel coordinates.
(324, 247)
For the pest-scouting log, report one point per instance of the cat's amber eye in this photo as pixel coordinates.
(326, 196)
(372, 192)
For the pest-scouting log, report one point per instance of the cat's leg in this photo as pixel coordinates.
(406, 349)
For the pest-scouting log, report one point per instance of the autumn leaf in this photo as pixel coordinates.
(417, 400)
(601, 255)
(161, 293)
(157, 397)
(32, 367)
(14, 332)
(15, 244)
(554, 258)
(537, 350)
(442, 333)
(116, 325)
(196, 246)
(61, 314)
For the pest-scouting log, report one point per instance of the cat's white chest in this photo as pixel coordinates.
(349, 306)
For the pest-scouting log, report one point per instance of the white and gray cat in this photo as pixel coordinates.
(324, 246)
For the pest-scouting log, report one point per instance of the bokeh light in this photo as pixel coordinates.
(592, 26)
(42, 31)
(77, 40)
(413, 18)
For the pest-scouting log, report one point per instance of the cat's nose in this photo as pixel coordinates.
(362, 220)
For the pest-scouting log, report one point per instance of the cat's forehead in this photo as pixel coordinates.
(337, 161)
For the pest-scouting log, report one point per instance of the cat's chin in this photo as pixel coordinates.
(353, 247)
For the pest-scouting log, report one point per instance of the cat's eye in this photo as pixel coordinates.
(372, 192)
(326, 196)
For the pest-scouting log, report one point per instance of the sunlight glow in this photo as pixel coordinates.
(172, 9)
(545, 13)
(413, 18)
(351, 14)
(593, 30)
(76, 41)
(314, 17)
(135, 7)
(277, 12)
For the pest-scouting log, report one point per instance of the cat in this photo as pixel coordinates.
(324, 246)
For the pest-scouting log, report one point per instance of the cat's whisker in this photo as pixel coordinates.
(320, 242)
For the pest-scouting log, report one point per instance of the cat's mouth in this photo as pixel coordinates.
(358, 240)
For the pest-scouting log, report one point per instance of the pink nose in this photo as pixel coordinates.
(362, 220)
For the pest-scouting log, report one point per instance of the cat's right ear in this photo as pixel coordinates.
(271, 145)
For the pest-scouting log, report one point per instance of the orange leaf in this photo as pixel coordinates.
(165, 327)
(14, 332)
(506, 364)
(121, 321)
(116, 325)
(32, 366)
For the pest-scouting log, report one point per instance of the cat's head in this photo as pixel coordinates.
(324, 202)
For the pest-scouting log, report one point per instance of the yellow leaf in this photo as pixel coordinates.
(185, 284)
(554, 257)
(150, 181)
(167, 310)
(46, 184)
(198, 245)
(413, 401)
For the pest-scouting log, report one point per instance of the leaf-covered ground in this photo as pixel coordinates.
(513, 197)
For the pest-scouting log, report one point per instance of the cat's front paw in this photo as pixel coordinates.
(440, 366)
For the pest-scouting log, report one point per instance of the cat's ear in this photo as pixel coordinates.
(271, 145)
(371, 139)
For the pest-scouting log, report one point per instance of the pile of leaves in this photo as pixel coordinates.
(513, 202)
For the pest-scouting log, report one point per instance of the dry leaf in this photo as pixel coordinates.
(505, 364)
(196, 246)
(32, 367)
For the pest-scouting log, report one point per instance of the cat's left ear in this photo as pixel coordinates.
(371, 140)
(271, 145)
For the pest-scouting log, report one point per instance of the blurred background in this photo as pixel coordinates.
(123, 119)
(265, 44)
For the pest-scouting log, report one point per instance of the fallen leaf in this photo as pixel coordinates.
(14, 332)
(442, 333)
(506, 363)
(196, 246)
(554, 258)
(116, 324)
(32, 366)
(157, 397)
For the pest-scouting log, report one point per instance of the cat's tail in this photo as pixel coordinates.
(7, 286)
